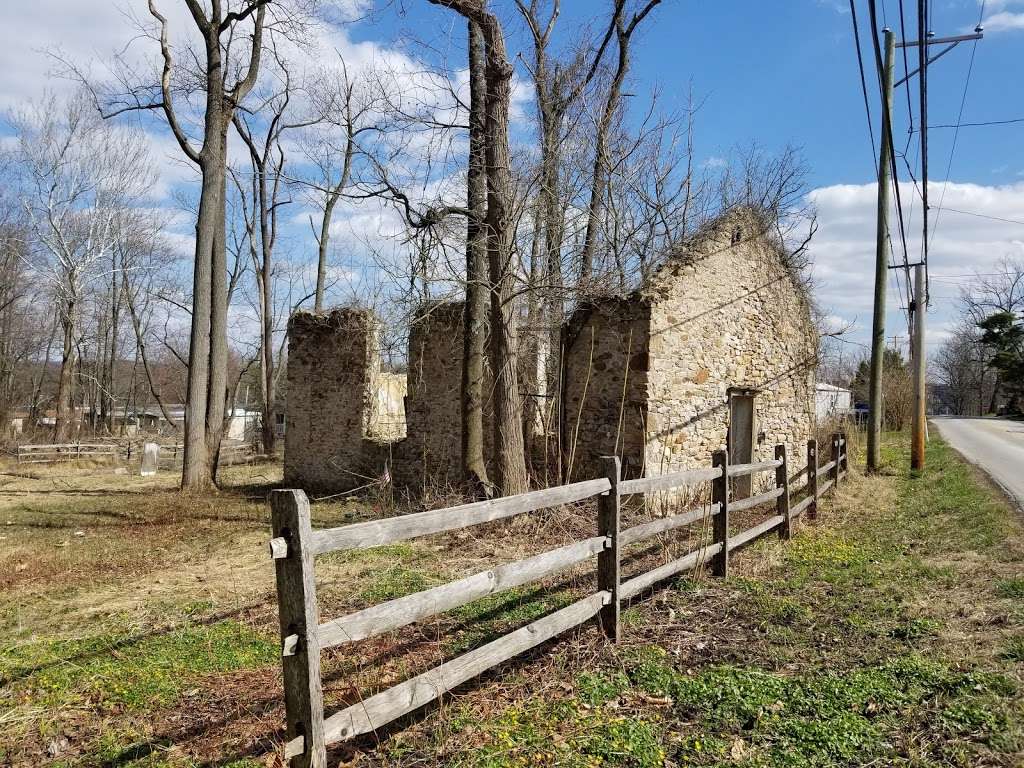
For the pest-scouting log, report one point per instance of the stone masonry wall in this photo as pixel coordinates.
(604, 393)
(333, 365)
(728, 316)
(646, 377)
(432, 451)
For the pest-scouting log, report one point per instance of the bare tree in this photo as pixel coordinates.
(1000, 290)
(508, 422)
(624, 29)
(347, 110)
(262, 132)
(959, 367)
(475, 308)
(222, 71)
(80, 174)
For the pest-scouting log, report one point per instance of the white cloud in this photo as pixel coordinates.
(844, 248)
(1003, 21)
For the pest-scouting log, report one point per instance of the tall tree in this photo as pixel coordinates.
(558, 86)
(510, 456)
(475, 307)
(224, 70)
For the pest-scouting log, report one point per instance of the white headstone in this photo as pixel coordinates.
(150, 458)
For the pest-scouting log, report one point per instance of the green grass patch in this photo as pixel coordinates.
(567, 734)
(1014, 650)
(396, 581)
(1011, 588)
(129, 673)
(494, 615)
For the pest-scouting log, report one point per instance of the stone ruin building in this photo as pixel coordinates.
(716, 349)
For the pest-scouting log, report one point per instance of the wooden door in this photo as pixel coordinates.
(741, 438)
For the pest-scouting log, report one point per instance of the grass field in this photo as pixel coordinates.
(138, 629)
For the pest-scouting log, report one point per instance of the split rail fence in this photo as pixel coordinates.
(295, 545)
(55, 453)
(171, 455)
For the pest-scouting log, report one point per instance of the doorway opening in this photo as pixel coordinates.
(741, 439)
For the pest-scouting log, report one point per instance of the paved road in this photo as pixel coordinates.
(995, 445)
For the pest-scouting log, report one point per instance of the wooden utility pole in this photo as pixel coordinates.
(881, 262)
(918, 357)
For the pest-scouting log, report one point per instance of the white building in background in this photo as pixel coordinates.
(241, 425)
(831, 401)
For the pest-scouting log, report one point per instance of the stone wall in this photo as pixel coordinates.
(647, 377)
(433, 449)
(333, 366)
(725, 315)
(604, 389)
(729, 316)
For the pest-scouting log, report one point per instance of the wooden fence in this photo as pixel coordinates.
(295, 545)
(171, 456)
(55, 453)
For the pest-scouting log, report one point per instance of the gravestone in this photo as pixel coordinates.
(150, 459)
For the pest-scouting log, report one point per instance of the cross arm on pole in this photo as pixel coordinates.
(953, 43)
(939, 40)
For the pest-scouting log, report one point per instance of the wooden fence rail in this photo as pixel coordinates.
(295, 544)
(33, 453)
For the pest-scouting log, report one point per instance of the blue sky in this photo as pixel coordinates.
(778, 73)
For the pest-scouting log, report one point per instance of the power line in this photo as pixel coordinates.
(956, 132)
(864, 84)
(887, 127)
(975, 125)
(982, 215)
(906, 75)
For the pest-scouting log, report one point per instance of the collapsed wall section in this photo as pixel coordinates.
(333, 370)
(604, 387)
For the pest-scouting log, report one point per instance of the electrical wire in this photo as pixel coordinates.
(887, 129)
(982, 215)
(956, 132)
(864, 85)
(906, 76)
(975, 125)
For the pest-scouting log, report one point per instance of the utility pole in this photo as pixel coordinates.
(917, 355)
(919, 423)
(881, 261)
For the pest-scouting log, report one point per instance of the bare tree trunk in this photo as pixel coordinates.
(196, 470)
(322, 244)
(65, 411)
(140, 347)
(475, 308)
(267, 343)
(218, 392)
(508, 408)
(110, 362)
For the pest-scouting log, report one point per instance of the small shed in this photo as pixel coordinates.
(831, 401)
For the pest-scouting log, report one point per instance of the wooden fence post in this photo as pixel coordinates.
(608, 560)
(845, 452)
(835, 457)
(299, 619)
(812, 478)
(782, 503)
(720, 496)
